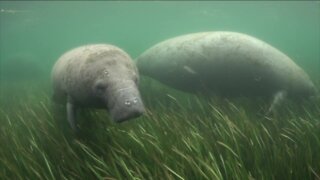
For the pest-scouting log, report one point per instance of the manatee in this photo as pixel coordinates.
(97, 76)
(227, 64)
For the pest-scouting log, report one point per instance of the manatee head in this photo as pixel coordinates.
(117, 89)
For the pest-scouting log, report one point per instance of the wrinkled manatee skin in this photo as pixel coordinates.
(226, 64)
(98, 76)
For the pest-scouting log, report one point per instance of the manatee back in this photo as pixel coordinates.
(228, 63)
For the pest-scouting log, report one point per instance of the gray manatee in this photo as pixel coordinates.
(225, 64)
(97, 76)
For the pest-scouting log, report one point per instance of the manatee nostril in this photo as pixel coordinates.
(130, 102)
(127, 103)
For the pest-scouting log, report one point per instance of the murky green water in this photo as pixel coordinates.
(39, 32)
(181, 136)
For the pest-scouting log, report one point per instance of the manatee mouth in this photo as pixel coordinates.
(127, 105)
(127, 116)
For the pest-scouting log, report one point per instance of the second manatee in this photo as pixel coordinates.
(225, 64)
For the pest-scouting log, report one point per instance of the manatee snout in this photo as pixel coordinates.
(126, 104)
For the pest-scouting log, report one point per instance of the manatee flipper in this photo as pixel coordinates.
(71, 113)
(278, 98)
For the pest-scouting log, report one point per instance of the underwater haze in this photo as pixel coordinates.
(45, 30)
(182, 136)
